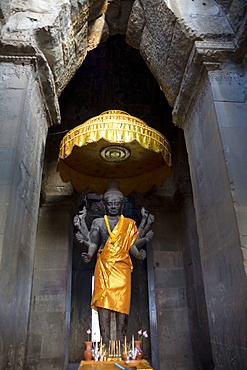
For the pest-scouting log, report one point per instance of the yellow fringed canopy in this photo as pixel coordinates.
(114, 146)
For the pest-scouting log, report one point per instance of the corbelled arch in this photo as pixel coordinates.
(173, 39)
(165, 32)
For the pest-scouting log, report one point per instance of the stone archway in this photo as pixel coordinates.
(123, 84)
(122, 81)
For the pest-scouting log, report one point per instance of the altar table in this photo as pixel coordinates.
(110, 365)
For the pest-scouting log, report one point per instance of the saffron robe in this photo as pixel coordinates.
(112, 274)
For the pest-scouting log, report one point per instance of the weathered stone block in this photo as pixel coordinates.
(231, 114)
(226, 86)
(136, 24)
(207, 26)
(170, 243)
(45, 258)
(52, 345)
(193, 9)
(117, 16)
(162, 59)
(55, 363)
(97, 8)
(168, 259)
(98, 31)
(236, 11)
(170, 298)
(169, 278)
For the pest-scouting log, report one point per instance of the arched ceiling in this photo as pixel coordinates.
(113, 76)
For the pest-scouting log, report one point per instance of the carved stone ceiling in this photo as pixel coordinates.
(164, 31)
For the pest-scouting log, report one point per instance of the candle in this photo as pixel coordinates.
(110, 348)
(100, 348)
(125, 345)
(133, 346)
(114, 348)
(96, 349)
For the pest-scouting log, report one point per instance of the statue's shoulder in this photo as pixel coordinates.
(97, 222)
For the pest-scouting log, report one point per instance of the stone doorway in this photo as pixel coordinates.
(114, 76)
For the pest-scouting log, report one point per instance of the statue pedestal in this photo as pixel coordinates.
(110, 365)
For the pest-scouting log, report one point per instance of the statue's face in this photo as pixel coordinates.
(113, 205)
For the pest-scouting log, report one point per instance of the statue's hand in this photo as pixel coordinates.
(79, 219)
(83, 213)
(79, 237)
(142, 254)
(150, 219)
(149, 235)
(86, 257)
(76, 221)
(144, 213)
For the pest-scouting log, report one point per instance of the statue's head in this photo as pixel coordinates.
(113, 199)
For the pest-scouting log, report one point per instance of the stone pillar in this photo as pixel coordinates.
(173, 332)
(23, 132)
(48, 339)
(197, 310)
(195, 294)
(216, 139)
(229, 92)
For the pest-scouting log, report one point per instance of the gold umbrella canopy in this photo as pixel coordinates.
(114, 146)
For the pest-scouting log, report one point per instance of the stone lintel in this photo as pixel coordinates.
(18, 59)
(205, 56)
(215, 50)
(21, 54)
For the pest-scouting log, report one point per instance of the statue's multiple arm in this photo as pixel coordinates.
(146, 222)
(82, 233)
(141, 228)
(141, 241)
(144, 235)
(144, 232)
(139, 254)
(83, 236)
(91, 239)
(94, 241)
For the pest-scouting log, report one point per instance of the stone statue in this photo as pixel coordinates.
(113, 237)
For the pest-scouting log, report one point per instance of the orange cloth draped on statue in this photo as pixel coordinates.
(112, 274)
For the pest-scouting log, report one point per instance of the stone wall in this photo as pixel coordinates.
(174, 340)
(49, 327)
(22, 143)
(216, 156)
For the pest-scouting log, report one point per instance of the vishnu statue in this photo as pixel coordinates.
(113, 237)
